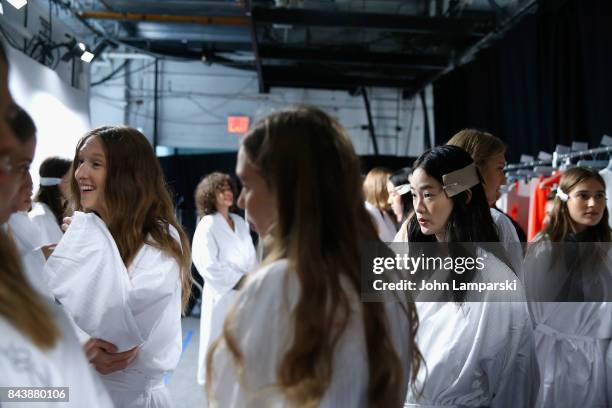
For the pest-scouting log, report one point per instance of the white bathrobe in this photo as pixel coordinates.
(23, 364)
(140, 306)
(263, 329)
(27, 238)
(222, 256)
(383, 222)
(42, 216)
(573, 342)
(477, 354)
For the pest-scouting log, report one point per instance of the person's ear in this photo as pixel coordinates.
(468, 192)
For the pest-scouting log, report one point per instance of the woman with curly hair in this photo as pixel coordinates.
(222, 252)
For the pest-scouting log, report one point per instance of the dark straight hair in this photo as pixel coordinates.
(470, 220)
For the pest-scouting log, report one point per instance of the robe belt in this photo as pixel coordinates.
(545, 329)
(132, 380)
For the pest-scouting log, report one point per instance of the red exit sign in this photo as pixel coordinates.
(237, 124)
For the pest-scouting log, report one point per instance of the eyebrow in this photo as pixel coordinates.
(426, 186)
(588, 191)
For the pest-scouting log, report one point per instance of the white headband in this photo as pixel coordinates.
(402, 189)
(50, 181)
(562, 195)
(460, 180)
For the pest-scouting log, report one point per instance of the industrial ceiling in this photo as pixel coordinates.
(323, 44)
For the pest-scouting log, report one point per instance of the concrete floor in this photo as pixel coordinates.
(182, 384)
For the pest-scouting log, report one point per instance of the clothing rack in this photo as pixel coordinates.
(558, 158)
(527, 165)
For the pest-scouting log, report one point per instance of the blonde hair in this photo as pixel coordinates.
(20, 305)
(137, 199)
(307, 159)
(480, 145)
(375, 187)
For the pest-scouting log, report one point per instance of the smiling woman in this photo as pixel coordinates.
(122, 268)
(90, 176)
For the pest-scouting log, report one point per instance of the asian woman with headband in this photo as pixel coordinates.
(477, 352)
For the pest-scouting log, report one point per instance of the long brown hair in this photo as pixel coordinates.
(20, 305)
(560, 225)
(137, 200)
(307, 160)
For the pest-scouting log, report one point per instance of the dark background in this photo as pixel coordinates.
(546, 82)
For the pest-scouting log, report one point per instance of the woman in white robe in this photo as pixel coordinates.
(478, 350)
(223, 253)
(36, 344)
(26, 360)
(24, 234)
(123, 277)
(50, 202)
(568, 274)
(297, 333)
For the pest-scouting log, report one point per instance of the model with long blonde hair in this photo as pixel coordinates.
(377, 202)
(122, 267)
(298, 334)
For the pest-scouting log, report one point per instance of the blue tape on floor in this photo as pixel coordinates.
(186, 341)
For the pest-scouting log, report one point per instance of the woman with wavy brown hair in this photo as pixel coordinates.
(298, 334)
(122, 268)
(568, 274)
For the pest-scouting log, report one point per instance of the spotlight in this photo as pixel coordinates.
(77, 49)
(87, 56)
(18, 3)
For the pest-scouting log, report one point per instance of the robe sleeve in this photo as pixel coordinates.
(87, 275)
(220, 275)
(259, 311)
(520, 376)
(510, 241)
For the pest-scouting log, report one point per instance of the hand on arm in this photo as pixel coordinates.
(104, 357)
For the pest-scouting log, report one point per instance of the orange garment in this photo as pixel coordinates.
(537, 207)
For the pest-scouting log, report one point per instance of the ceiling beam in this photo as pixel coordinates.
(238, 21)
(353, 57)
(388, 22)
(291, 77)
(263, 89)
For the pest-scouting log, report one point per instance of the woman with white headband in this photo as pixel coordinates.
(477, 352)
(51, 199)
(569, 283)
(400, 199)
